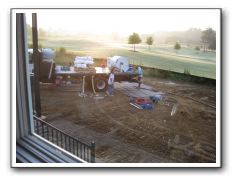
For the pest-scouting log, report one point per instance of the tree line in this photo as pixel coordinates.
(208, 40)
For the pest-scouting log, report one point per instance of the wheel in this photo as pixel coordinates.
(100, 84)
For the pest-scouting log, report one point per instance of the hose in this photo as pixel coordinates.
(93, 85)
(83, 85)
(50, 72)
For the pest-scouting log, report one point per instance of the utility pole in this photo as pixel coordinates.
(36, 61)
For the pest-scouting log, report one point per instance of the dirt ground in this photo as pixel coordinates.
(123, 133)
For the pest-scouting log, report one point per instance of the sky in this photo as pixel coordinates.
(124, 21)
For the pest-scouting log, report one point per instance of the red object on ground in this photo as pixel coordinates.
(142, 101)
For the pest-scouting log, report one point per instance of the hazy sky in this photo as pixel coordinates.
(124, 21)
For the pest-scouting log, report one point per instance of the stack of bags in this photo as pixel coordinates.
(84, 64)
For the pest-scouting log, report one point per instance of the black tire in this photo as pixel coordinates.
(100, 84)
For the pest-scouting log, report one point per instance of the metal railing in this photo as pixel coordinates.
(65, 141)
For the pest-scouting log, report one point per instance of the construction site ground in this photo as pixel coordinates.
(125, 134)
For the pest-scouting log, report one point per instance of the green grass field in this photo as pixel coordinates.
(199, 63)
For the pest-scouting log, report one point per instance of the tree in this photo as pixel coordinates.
(177, 46)
(134, 39)
(62, 50)
(149, 41)
(197, 48)
(208, 39)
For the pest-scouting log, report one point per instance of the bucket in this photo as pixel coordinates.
(57, 81)
(147, 106)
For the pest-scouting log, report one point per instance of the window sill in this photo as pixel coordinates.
(32, 149)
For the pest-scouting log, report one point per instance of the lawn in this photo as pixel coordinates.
(199, 63)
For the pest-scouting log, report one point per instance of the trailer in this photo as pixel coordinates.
(82, 70)
(96, 81)
(94, 78)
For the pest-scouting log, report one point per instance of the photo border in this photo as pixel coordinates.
(217, 164)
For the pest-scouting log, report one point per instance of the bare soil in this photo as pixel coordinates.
(124, 133)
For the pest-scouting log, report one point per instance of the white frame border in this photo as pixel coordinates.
(13, 101)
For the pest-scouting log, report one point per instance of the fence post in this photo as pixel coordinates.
(92, 152)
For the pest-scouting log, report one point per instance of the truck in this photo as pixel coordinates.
(82, 69)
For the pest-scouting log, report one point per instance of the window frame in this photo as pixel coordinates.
(26, 146)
